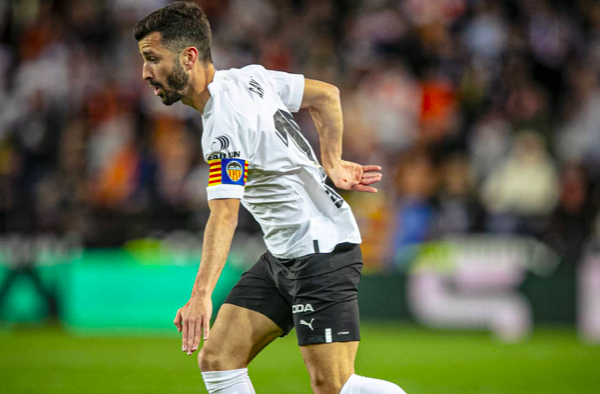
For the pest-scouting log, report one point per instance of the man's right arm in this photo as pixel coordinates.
(218, 235)
(196, 313)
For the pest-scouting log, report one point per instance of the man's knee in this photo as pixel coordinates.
(213, 359)
(326, 385)
(208, 360)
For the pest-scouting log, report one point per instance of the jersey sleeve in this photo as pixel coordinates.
(290, 88)
(226, 150)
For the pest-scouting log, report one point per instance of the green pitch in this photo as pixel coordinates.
(48, 361)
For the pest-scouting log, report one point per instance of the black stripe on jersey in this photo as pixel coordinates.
(256, 88)
(224, 142)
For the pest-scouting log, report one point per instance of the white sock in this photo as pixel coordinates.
(236, 381)
(361, 385)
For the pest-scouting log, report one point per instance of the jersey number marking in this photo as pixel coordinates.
(287, 129)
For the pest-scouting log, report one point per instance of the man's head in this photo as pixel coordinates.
(172, 40)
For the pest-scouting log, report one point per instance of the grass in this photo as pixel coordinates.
(47, 360)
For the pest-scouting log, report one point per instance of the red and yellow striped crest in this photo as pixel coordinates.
(214, 174)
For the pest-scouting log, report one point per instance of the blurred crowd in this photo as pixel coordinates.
(484, 114)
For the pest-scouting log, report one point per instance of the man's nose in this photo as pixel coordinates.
(146, 74)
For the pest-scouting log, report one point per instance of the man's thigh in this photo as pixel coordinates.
(258, 291)
(237, 336)
(254, 314)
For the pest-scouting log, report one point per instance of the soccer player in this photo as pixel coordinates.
(309, 275)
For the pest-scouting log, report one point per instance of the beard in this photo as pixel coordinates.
(177, 81)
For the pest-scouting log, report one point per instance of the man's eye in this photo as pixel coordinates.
(153, 60)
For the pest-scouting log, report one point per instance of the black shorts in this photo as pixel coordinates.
(316, 294)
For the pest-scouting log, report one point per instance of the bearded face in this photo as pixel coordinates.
(163, 70)
(176, 82)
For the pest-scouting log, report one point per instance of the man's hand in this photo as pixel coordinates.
(191, 319)
(351, 176)
(195, 315)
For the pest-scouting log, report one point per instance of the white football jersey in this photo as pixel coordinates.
(257, 154)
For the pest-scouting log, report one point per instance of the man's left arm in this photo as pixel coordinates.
(324, 103)
(196, 313)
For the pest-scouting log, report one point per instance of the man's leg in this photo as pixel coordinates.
(254, 314)
(331, 370)
(329, 365)
(326, 318)
(237, 336)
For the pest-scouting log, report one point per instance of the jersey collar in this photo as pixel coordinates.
(213, 88)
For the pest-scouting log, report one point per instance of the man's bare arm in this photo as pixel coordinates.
(323, 102)
(218, 234)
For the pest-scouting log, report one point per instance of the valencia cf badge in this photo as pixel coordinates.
(234, 171)
(228, 172)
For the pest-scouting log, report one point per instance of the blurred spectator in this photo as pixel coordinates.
(572, 221)
(578, 140)
(457, 208)
(388, 103)
(524, 185)
(528, 107)
(415, 211)
(423, 12)
(439, 110)
(374, 29)
(486, 33)
(489, 143)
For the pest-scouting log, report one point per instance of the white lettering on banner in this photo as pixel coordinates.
(472, 283)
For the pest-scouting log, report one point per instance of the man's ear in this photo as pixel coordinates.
(190, 56)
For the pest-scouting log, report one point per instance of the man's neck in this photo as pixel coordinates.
(198, 93)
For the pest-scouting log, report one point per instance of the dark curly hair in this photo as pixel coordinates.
(181, 24)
